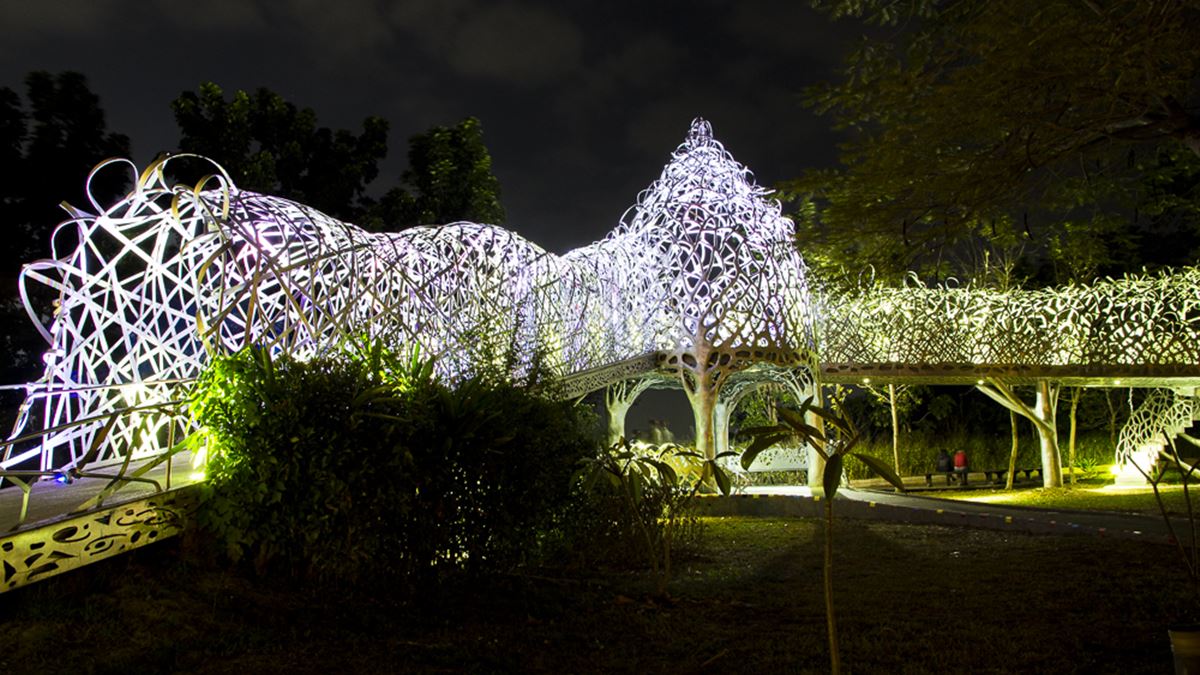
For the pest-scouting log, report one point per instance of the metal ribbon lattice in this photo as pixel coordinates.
(699, 283)
(1164, 413)
(1132, 321)
(702, 268)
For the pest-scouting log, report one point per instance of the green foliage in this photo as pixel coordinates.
(1052, 128)
(644, 494)
(269, 145)
(758, 408)
(835, 442)
(365, 466)
(449, 179)
(919, 450)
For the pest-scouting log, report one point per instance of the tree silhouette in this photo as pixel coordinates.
(270, 145)
(46, 153)
(45, 157)
(449, 179)
(1055, 123)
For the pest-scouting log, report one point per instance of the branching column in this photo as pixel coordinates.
(1042, 414)
(727, 403)
(618, 399)
(701, 376)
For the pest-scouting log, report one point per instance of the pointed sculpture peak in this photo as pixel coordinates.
(700, 134)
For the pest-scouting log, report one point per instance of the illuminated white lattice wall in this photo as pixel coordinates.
(1132, 321)
(170, 274)
(700, 281)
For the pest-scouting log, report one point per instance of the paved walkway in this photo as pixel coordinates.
(908, 508)
(51, 501)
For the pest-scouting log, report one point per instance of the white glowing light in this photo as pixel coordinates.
(1136, 320)
(700, 284)
(701, 276)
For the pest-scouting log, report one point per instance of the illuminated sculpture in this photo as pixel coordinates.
(1151, 323)
(701, 281)
(1141, 330)
(700, 286)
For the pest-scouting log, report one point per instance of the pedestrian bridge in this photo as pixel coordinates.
(700, 286)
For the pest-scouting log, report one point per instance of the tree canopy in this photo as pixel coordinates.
(449, 178)
(48, 145)
(47, 150)
(270, 145)
(1067, 130)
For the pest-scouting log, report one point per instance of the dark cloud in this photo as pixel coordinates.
(25, 22)
(516, 44)
(581, 103)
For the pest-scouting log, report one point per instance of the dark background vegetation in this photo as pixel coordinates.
(362, 515)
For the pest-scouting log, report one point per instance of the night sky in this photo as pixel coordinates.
(581, 102)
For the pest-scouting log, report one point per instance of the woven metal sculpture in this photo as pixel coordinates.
(1162, 414)
(700, 281)
(1149, 320)
(699, 286)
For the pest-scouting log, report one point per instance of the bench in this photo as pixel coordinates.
(1001, 473)
(993, 475)
(950, 475)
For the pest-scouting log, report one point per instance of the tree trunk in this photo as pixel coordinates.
(835, 660)
(1043, 417)
(895, 430)
(1012, 456)
(1047, 399)
(1112, 419)
(1076, 393)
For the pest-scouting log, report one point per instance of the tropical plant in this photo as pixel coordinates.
(1169, 459)
(655, 486)
(793, 427)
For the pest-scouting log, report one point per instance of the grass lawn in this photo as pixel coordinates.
(1090, 494)
(911, 599)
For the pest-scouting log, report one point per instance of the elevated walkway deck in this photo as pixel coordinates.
(1105, 375)
(64, 528)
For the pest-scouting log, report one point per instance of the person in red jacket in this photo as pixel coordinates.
(961, 466)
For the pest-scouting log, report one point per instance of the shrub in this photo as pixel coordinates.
(343, 467)
(638, 502)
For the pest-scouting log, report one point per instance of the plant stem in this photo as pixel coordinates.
(895, 429)
(1162, 508)
(1012, 456)
(651, 551)
(835, 661)
(1076, 394)
(1184, 475)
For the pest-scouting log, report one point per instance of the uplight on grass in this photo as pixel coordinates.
(998, 498)
(1093, 497)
